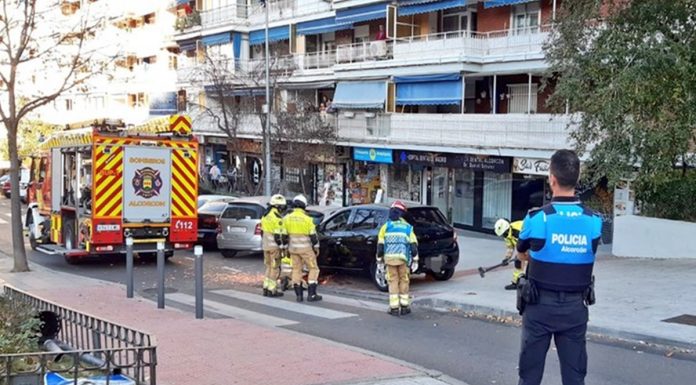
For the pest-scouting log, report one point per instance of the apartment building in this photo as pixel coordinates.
(434, 101)
(136, 39)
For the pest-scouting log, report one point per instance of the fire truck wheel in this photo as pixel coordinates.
(32, 241)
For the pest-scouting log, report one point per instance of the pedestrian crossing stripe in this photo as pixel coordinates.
(294, 307)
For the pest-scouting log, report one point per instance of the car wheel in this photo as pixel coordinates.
(32, 241)
(379, 277)
(442, 275)
(228, 253)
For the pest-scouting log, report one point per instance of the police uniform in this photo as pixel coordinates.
(273, 239)
(302, 245)
(397, 238)
(562, 239)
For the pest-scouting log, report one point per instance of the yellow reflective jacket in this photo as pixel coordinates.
(300, 229)
(272, 227)
(396, 237)
(513, 234)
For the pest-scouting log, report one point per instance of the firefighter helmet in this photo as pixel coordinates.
(277, 200)
(501, 227)
(300, 201)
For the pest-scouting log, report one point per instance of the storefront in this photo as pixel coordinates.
(366, 174)
(529, 185)
(473, 191)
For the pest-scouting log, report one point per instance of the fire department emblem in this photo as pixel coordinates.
(147, 182)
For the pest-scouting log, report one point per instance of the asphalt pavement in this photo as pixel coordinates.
(470, 350)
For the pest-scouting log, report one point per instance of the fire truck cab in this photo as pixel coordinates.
(95, 184)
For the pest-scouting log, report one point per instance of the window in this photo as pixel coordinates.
(339, 222)
(68, 104)
(518, 98)
(455, 21)
(425, 216)
(241, 211)
(361, 34)
(365, 220)
(525, 18)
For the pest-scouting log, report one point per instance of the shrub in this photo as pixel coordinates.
(669, 196)
(19, 328)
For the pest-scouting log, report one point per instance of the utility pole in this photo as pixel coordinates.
(267, 110)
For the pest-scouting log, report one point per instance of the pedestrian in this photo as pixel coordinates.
(214, 175)
(274, 244)
(560, 241)
(511, 232)
(303, 248)
(397, 248)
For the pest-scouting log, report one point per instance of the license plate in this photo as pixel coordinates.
(231, 229)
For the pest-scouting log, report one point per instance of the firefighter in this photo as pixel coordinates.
(303, 248)
(511, 233)
(274, 242)
(397, 247)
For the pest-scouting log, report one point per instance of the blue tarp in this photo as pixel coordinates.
(429, 89)
(274, 34)
(414, 7)
(360, 95)
(314, 27)
(501, 3)
(237, 45)
(220, 38)
(360, 14)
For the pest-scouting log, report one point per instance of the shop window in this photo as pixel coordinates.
(518, 98)
(463, 204)
(497, 198)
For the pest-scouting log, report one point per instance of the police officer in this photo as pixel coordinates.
(560, 241)
(511, 232)
(303, 248)
(397, 247)
(274, 242)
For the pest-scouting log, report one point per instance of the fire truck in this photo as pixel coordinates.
(95, 184)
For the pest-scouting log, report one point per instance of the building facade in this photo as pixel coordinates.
(433, 101)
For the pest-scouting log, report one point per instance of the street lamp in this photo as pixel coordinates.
(267, 111)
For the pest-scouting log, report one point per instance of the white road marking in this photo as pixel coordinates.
(232, 269)
(315, 311)
(359, 303)
(231, 311)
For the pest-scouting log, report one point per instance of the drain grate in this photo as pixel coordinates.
(684, 319)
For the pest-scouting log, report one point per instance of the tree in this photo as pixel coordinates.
(43, 54)
(629, 69)
(29, 135)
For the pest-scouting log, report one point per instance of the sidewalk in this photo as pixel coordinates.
(219, 351)
(634, 295)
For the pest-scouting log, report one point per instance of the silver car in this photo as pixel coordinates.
(240, 226)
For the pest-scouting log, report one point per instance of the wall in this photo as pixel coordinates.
(493, 19)
(644, 237)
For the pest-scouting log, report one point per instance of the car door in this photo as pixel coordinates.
(331, 235)
(362, 240)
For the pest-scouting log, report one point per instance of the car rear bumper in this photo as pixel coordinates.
(439, 260)
(252, 244)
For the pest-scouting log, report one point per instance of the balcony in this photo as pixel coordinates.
(231, 14)
(365, 51)
(541, 131)
(287, 9)
(316, 60)
(280, 66)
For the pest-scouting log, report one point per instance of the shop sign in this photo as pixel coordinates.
(531, 166)
(375, 155)
(217, 140)
(469, 161)
(246, 146)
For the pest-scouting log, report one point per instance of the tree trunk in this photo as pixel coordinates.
(18, 251)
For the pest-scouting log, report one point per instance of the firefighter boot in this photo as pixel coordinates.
(265, 292)
(405, 310)
(393, 311)
(312, 295)
(511, 286)
(298, 292)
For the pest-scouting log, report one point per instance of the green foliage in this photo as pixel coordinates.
(669, 196)
(18, 328)
(29, 136)
(629, 69)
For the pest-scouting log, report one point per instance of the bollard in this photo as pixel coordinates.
(160, 275)
(198, 252)
(129, 267)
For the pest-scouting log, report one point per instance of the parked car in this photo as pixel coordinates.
(6, 185)
(348, 240)
(203, 199)
(23, 184)
(208, 219)
(240, 225)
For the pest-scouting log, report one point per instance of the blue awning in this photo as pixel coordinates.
(217, 39)
(429, 90)
(237, 45)
(414, 7)
(187, 45)
(360, 95)
(360, 14)
(274, 34)
(314, 27)
(182, 2)
(502, 3)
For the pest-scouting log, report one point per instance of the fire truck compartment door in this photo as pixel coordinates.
(147, 185)
(56, 178)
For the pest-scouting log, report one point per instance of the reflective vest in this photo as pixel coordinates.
(513, 234)
(300, 229)
(397, 237)
(562, 238)
(272, 226)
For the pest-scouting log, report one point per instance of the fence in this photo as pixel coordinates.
(92, 347)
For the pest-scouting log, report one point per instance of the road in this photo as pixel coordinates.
(470, 350)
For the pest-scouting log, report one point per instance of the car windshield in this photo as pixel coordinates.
(213, 207)
(424, 216)
(243, 211)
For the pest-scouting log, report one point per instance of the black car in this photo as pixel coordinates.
(349, 241)
(208, 220)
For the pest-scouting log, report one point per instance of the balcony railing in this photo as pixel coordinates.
(369, 50)
(230, 14)
(541, 131)
(287, 9)
(188, 21)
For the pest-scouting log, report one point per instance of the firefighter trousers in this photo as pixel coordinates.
(301, 258)
(271, 259)
(398, 276)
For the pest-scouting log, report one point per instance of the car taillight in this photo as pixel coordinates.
(257, 230)
(210, 220)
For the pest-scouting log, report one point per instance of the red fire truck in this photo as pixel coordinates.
(95, 184)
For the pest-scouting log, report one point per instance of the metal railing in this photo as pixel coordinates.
(234, 13)
(369, 50)
(97, 347)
